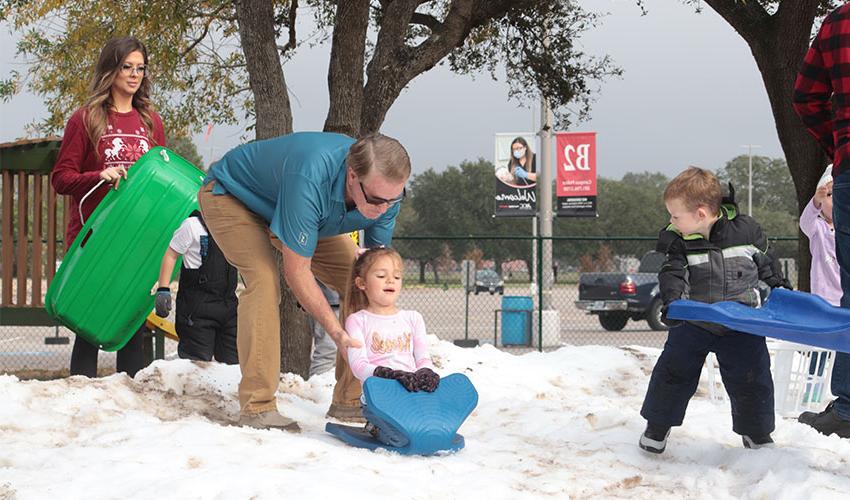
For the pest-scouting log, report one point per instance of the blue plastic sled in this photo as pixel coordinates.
(793, 316)
(425, 423)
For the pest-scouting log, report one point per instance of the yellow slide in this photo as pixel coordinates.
(155, 323)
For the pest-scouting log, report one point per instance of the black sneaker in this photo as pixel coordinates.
(756, 442)
(654, 438)
(826, 422)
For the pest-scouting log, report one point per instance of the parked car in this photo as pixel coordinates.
(487, 280)
(617, 297)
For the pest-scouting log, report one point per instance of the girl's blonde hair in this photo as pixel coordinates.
(97, 105)
(355, 298)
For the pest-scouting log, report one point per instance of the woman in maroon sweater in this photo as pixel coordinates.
(103, 138)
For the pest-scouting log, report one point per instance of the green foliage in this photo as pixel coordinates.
(185, 147)
(540, 57)
(773, 188)
(632, 206)
(459, 201)
(198, 68)
(198, 76)
(455, 202)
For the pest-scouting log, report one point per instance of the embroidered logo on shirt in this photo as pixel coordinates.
(397, 344)
(302, 238)
(123, 149)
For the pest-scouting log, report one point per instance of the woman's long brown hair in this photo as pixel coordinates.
(99, 102)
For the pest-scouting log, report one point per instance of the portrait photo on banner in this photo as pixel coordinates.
(515, 164)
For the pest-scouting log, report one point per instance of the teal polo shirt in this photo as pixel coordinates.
(296, 183)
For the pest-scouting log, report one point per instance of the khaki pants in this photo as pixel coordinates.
(247, 243)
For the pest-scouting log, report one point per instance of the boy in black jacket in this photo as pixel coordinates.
(713, 254)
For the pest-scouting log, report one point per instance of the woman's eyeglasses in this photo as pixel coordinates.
(374, 200)
(129, 69)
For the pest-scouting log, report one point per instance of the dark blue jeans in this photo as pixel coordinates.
(841, 219)
(744, 368)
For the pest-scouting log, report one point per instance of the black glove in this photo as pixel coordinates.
(427, 380)
(163, 301)
(406, 379)
(671, 323)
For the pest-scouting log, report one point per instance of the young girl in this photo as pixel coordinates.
(115, 126)
(393, 340)
(816, 223)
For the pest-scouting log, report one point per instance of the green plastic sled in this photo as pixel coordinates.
(102, 290)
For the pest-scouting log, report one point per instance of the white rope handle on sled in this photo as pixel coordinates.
(83, 219)
(162, 153)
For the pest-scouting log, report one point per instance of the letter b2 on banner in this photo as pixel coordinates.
(576, 179)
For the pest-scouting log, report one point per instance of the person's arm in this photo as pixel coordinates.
(162, 303)
(300, 278)
(813, 91)
(809, 219)
(358, 357)
(68, 177)
(672, 278)
(166, 269)
(768, 266)
(420, 343)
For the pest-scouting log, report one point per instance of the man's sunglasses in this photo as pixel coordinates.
(374, 200)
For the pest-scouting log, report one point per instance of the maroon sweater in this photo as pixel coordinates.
(78, 166)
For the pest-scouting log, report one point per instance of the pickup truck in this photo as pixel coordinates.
(617, 297)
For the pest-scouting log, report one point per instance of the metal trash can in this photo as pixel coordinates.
(516, 320)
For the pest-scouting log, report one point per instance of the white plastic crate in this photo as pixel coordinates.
(795, 389)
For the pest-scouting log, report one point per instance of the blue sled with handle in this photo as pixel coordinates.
(420, 423)
(788, 315)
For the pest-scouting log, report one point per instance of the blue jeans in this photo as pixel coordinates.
(841, 219)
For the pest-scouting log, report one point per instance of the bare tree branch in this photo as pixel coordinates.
(744, 17)
(197, 40)
(426, 20)
(293, 8)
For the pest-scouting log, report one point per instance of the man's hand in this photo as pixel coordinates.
(163, 301)
(343, 340)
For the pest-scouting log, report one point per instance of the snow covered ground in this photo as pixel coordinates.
(558, 425)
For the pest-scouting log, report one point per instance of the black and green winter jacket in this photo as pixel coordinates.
(725, 267)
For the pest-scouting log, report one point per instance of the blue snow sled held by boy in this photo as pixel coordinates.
(412, 423)
(788, 315)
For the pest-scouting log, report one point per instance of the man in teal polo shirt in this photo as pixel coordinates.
(300, 193)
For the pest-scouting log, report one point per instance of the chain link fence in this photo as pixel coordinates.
(499, 305)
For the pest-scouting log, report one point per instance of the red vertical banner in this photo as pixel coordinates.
(576, 179)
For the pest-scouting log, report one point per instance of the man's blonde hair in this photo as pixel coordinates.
(695, 187)
(382, 154)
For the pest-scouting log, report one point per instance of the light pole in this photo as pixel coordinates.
(750, 177)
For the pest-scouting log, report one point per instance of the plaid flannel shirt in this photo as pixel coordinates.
(825, 75)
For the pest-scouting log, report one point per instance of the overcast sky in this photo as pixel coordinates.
(690, 94)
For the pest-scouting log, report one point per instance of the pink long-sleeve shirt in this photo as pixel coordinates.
(396, 341)
(825, 277)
